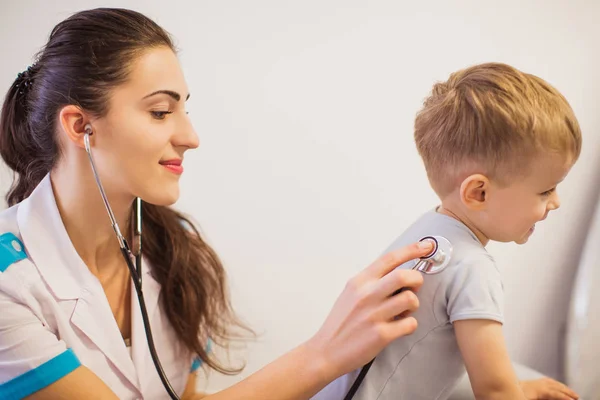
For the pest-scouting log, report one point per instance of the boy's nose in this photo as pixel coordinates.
(554, 203)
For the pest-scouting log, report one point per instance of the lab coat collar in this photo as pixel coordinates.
(48, 243)
(51, 250)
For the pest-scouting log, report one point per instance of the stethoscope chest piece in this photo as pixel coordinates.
(438, 259)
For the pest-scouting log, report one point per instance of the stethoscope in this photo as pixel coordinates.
(434, 262)
(135, 271)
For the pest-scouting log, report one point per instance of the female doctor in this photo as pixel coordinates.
(70, 325)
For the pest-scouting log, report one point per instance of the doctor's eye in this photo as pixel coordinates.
(160, 114)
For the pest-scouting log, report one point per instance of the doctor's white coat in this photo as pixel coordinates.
(54, 315)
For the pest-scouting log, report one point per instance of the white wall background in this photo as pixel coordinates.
(307, 168)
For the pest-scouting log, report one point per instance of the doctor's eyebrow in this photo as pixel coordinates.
(171, 93)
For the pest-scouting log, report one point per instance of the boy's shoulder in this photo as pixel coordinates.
(471, 284)
(466, 247)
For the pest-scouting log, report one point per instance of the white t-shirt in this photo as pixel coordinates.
(427, 364)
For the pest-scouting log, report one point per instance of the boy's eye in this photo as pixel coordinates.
(548, 192)
(160, 114)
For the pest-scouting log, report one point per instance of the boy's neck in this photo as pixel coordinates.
(455, 212)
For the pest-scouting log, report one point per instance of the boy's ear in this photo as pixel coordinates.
(474, 192)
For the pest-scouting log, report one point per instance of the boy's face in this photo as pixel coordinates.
(513, 211)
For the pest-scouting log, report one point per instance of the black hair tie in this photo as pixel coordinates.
(25, 80)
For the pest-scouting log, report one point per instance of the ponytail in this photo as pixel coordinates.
(18, 146)
(193, 283)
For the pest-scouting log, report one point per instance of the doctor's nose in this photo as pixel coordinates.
(186, 136)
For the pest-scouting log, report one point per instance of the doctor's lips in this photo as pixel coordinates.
(173, 165)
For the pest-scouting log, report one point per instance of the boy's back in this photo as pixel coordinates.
(428, 364)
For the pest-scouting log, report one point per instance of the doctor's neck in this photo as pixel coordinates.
(85, 217)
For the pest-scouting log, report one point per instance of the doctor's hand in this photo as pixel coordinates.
(366, 317)
(547, 389)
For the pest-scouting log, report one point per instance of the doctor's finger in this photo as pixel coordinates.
(398, 328)
(389, 261)
(399, 279)
(399, 306)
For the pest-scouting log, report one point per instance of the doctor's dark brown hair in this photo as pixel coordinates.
(87, 55)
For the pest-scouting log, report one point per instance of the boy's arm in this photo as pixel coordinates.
(482, 346)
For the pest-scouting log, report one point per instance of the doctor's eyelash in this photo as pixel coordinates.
(160, 114)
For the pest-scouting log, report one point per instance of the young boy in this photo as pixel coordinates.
(495, 143)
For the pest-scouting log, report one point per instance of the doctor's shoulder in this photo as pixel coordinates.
(12, 249)
(28, 340)
(17, 272)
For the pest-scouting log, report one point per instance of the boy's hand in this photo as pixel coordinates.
(547, 389)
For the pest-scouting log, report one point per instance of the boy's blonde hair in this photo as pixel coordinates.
(492, 119)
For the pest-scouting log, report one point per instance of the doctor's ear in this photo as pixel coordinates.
(474, 192)
(74, 124)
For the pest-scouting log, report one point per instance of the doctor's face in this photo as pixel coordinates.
(139, 144)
